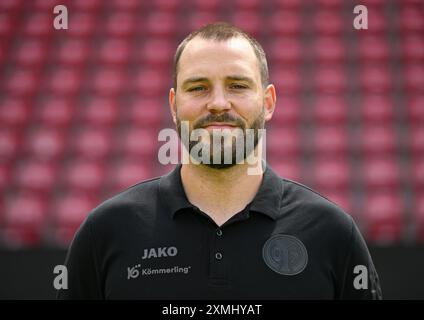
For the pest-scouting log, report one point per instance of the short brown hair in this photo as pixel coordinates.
(222, 31)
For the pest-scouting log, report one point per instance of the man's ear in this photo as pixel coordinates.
(270, 98)
(173, 105)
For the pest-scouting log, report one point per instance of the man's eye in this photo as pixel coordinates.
(198, 88)
(238, 86)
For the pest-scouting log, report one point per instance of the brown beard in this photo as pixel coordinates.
(258, 123)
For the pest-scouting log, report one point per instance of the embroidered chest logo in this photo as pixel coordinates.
(140, 269)
(160, 252)
(285, 254)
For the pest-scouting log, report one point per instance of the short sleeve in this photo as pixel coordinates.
(83, 275)
(361, 281)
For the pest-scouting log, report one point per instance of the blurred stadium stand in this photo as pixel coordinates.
(80, 109)
(80, 112)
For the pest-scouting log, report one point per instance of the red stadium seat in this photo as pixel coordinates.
(376, 79)
(419, 217)
(283, 23)
(64, 81)
(384, 218)
(377, 22)
(35, 176)
(25, 215)
(144, 112)
(84, 175)
(149, 83)
(328, 22)
(286, 51)
(199, 19)
(73, 52)
(68, 213)
(417, 175)
(45, 143)
(46, 4)
(415, 109)
(10, 5)
(82, 24)
(207, 5)
(161, 24)
(330, 141)
(287, 80)
(39, 24)
(373, 49)
(22, 82)
(288, 112)
(288, 168)
(377, 140)
(294, 5)
(14, 113)
(86, 5)
(3, 52)
(126, 5)
(414, 78)
(254, 5)
(375, 4)
(155, 53)
(7, 24)
(31, 52)
(5, 176)
(9, 144)
(331, 174)
(108, 82)
(417, 140)
(283, 142)
(121, 24)
(137, 142)
(166, 5)
(248, 21)
(114, 51)
(128, 172)
(382, 174)
(99, 112)
(330, 80)
(329, 4)
(377, 109)
(330, 110)
(413, 49)
(91, 143)
(55, 112)
(409, 3)
(411, 20)
(328, 50)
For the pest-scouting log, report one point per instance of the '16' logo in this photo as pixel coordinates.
(133, 272)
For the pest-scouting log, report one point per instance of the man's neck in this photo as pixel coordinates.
(220, 193)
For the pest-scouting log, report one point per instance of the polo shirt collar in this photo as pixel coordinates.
(268, 199)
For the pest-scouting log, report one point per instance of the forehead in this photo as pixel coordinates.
(208, 57)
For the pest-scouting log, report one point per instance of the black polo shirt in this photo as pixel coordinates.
(150, 242)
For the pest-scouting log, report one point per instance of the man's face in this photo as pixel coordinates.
(219, 87)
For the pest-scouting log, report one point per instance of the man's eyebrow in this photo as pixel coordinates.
(194, 79)
(241, 78)
(204, 79)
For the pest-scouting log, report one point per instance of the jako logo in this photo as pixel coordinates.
(159, 252)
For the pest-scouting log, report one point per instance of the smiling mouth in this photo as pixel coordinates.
(219, 126)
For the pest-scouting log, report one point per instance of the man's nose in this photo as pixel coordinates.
(219, 101)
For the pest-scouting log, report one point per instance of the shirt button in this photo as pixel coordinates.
(218, 256)
(219, 232)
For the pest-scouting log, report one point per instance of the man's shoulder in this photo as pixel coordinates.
(310, 212)
(313, 205)
(140, 197)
